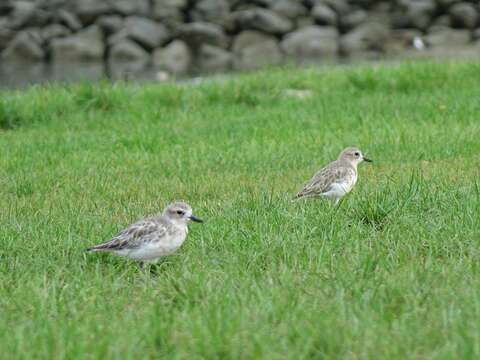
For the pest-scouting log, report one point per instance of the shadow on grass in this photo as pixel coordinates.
(10, 117)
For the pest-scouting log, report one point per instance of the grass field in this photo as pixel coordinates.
(393, 273)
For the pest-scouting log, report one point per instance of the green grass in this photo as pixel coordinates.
(393, 273)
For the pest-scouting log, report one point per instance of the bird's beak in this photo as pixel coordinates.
(366, 159)
(194, 218)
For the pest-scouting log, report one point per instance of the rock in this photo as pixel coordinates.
(110, 24)
(128, 70)
(448, 38)
(84, 46)
(169, 12)
(364, 38)
(25, 47)
(263, 20)
(353, 19)
(5, 7)
(442, 21)
(69, 19)
(213, 11)
(6, 35)
(175, 58)
(212, 58)
(341, 7)
(289, 8)
(446, 3)
(198, 33)
(147, 32)
(304, 21)
(127, 50)
(27, 13)
(464, 15)
(129, 7)
(253, 50)
(54, 31)
(89, 10)
(311, 44)
(180, 4)
(324, 15)
(414, 13)
(117, 37)
(475, 34)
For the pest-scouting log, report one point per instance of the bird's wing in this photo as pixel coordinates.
(134, 235)
(322, 181)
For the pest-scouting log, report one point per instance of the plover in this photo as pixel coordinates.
(152, 238)
(337, 178)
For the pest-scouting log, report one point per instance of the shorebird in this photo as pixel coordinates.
(337, 178)
(152, 238)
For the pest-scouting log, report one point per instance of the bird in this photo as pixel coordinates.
(337, 178)
(152, 238)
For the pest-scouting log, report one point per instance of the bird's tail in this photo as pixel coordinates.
(96, 248)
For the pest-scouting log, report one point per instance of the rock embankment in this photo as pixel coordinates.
(218, 35)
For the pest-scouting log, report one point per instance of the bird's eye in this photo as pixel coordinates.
(180, 212)
(357, 154)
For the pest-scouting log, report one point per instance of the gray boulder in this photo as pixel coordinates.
(129, 7)
(304, 21)
(341, 7)
(148, 33)
(198, 33)
(353, 19)
(445, 4)
(25, 47)
(176, 57)
(448, 38)
(414, 13)
(54, 31)
(213, 11)
(476, 35)
(27, 13)
(69, 19)
(86, 45)
(212, 58)
(89, 10)
(464, 15)
(169, 12)
(127, 50)
(6, 35)
(370, 36)
(263, 20)
(117, 37)
(324, 15)
(442, 21)
(311, 44)
(289, 8)
(110, 24)
(253, 50)
(5, 7)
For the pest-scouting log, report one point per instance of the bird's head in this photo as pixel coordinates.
(353, 155)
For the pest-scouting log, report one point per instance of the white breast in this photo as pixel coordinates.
(157, 249)
(338, 189)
